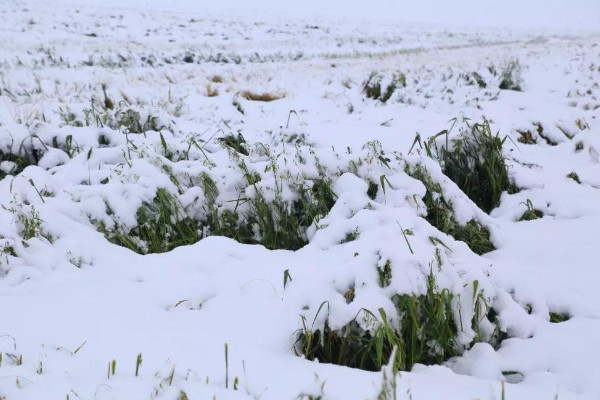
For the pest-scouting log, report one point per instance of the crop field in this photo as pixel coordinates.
(211, 205)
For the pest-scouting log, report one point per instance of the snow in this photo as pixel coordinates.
(72, 302)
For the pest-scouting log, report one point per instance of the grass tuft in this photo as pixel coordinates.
(440, 215)
(511, 76)
(384, 274)
(279, 224)
(424, 331)
(372, 190)
(526, 137)
(476, 164)
(373, 89)
(162, 225)
(556, 318)
(531, 213)
(236, 143)
(573, 175)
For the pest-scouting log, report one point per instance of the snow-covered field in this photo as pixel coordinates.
(107, 109)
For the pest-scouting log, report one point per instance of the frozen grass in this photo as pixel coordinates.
(122, 116)
(162, 225)
(440, 215)
(276, 224)
(12, 164)
(375, 88)
(573, 175)
(15, 157)
(511, 76)
(475, 162)
(423, 331)
(531, 213)
(237, 143)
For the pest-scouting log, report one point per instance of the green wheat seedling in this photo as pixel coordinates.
(531, 213)
(281, 224)
(384, 274)
(121, 116)
(286, 278)
(171, 376)
(236, 143)
(28, 221)
(573, 175)
(112, 369)
(25, 156)
(440, 214)
(383, 180)
(477, 165)
(351, 236)
(287, 124)
(162, 225)
(68, 146)
(373, 89)
(226, 366)
(372, 190)
(36, 190)
(17, 359)
(425, 332)
(404, 233)
(138, 364)
(510, 76)
(166, 151)
(558, 317)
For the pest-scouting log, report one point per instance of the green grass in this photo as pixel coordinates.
(29, 152)
(475, 78)
(510, 76)
(236, 143)
(425, 333)
(526, 137)
(440, 215)
(280, 224)
(121, 116)
(556, 318)
(531, 213)
(15, 163)
(476, 236)
(476, 164)
(373, 89)
(372, 190)
(384, 274)
(162, 225)
(573, 175)
(28, 222)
